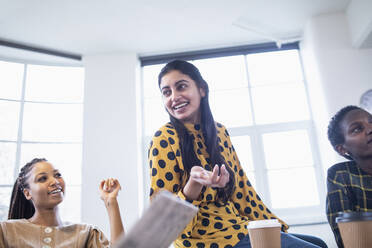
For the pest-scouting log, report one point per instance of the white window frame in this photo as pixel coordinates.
(19, 140)
(293, 216)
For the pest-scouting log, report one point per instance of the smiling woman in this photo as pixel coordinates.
(181, 96)
(34, 217)
(193, 157)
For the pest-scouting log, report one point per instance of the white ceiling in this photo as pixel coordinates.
(150, 27)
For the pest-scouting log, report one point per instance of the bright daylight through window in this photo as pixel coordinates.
(262, 99)
(41, 116)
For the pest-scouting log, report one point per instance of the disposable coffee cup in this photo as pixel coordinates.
(355, 229)
(264, 233)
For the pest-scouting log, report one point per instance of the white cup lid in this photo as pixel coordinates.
(264, 223)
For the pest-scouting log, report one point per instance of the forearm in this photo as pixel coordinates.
(192, 189)
(116, 225)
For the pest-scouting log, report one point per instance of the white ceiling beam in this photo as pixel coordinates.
(359, 14)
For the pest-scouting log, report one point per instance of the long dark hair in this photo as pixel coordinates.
(335, 135)
(20, 207)
(208, 126)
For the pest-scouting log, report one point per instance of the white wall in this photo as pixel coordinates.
(360, 21)
(337, 74)
(110, 137)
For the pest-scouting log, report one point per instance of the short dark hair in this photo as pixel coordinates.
(20, 207)
(335, 135)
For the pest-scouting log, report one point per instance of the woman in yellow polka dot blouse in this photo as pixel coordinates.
(192, 156)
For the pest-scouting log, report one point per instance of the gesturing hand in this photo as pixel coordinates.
(218, 178)
(109, 189)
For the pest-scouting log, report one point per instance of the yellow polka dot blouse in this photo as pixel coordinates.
(216, 225)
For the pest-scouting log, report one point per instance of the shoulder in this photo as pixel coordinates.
(343, 167)
(14, 222)
(166, 130)
(81, 228)
(220, 126)
(89, 227)
(221, 130)
(16, 226)
(76, 225)
(164, 137)
(91, 233)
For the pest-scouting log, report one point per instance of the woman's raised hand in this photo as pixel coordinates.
(109, 189)
(218, 178)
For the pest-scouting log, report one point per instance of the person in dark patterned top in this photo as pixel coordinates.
(193, 157)
(349, 183)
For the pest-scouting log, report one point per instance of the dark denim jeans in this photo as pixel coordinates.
(289, 241)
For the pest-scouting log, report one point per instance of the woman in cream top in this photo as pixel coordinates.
(34, 220)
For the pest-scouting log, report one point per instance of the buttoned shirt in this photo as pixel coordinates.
(349, 189)
(22, 233)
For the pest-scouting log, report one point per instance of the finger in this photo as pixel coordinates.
(101, 185)
(224, 174)
(117, 184)
(107, 184)
(224, 170)
(215, 173)
(225, 178)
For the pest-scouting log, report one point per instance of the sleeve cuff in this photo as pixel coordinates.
(183, 197)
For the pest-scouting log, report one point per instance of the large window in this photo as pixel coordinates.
(41, 116)
(262, 99)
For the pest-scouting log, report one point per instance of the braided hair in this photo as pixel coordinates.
(20, 207)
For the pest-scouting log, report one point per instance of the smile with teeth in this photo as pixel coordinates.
(180, 105)
(55, 191)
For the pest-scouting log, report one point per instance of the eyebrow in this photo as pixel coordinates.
(178, 82)
(44, 173)
(353, 124)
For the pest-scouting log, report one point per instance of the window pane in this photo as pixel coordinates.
(150, 80)
(7, 162)
(65, 157)
(223, 73)
(242, 145)
(231, 107)
(293, 188)
(71, 205)
(287, 149)
(274, 67)
(5, 193)
(282, 103)
(54, 84)
(9, 120)
(52, 122)
(11, 78)
(155, 115)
